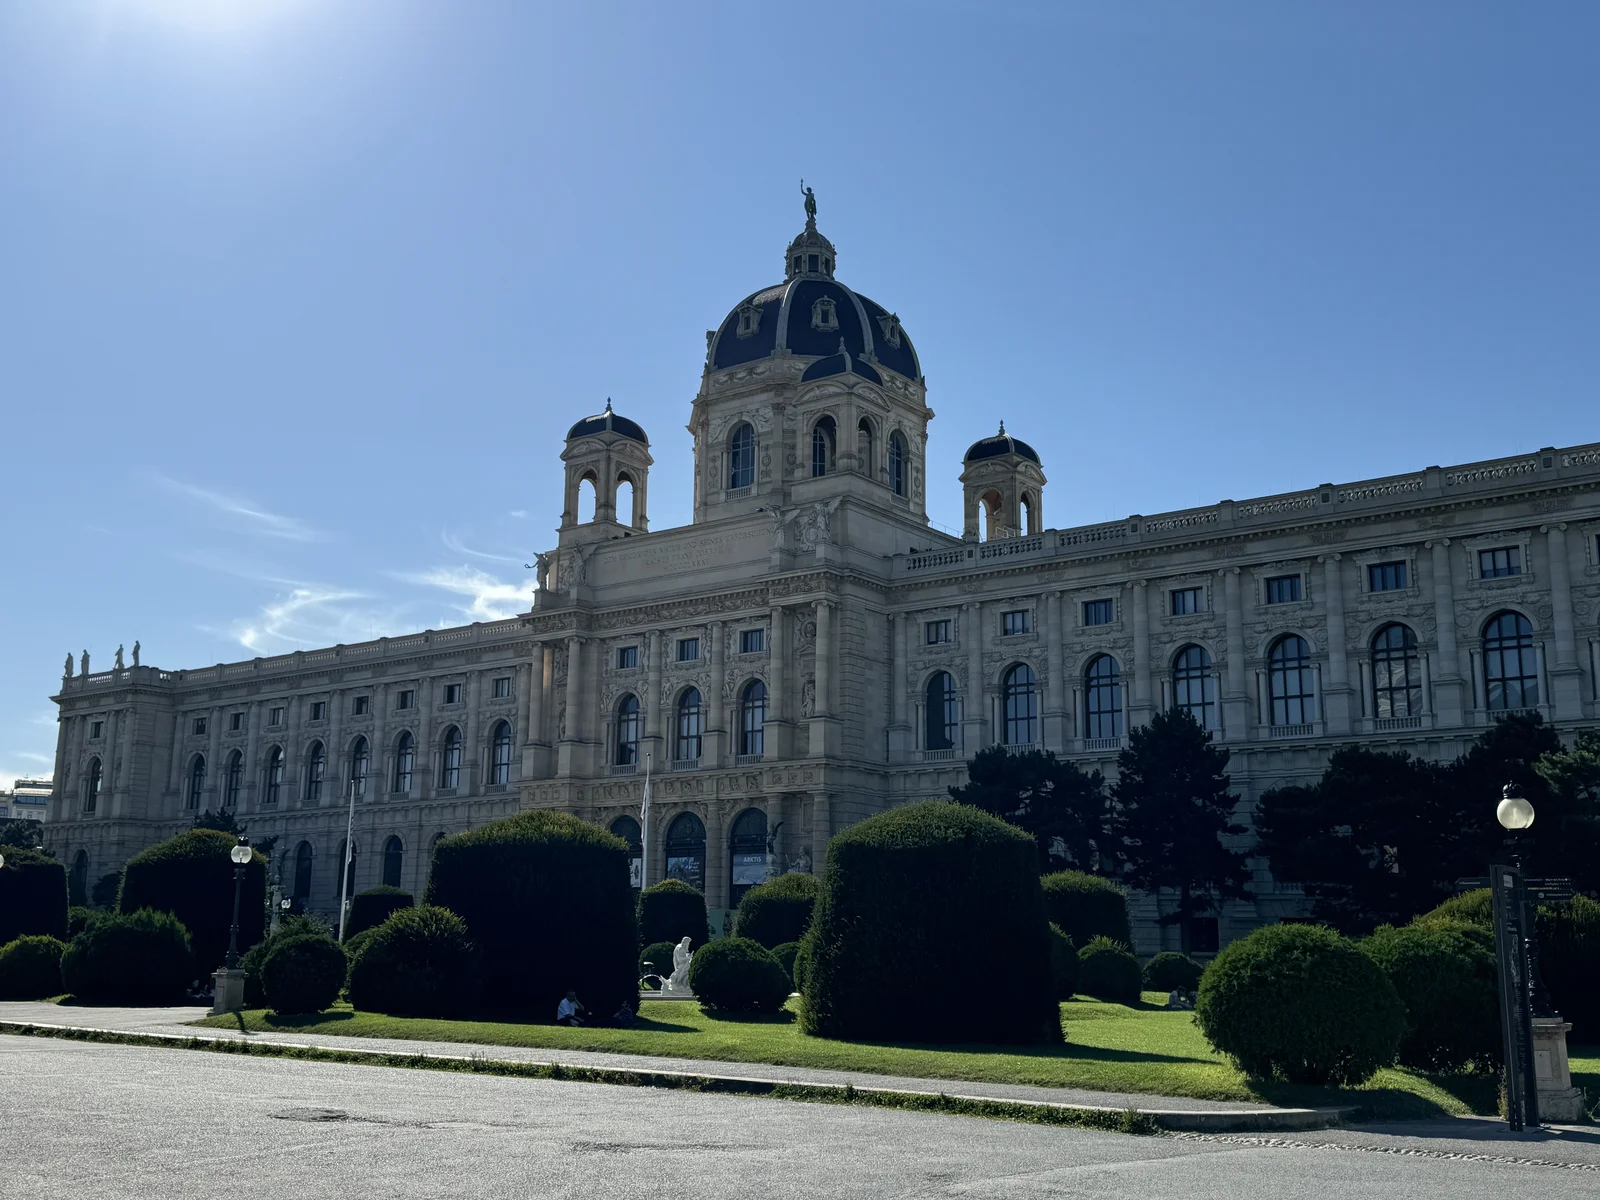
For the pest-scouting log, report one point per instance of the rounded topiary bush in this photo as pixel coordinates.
(778, 911)
(418, 963)
(80, 918)
(132, 958)
(549, 905)
(785, 954)
(371, 908)
(671, 911)
(1300, 1003)
(191, 877)
(1063, 964)
(656, 959)
(303, 974)
(736, 974)
(1086, 907)
(33, 895)
(1170, 971)
(30, 967)
(922, 909)
(1108, 970)
(1473, 908)
(295, 925)
(1444, 974)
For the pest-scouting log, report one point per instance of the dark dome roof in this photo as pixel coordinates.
(608, 421)
(1000, 443)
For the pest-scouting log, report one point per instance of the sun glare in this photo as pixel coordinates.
(207, 14)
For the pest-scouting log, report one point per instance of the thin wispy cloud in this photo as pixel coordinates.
(32, 757)
(249, 515)
(520, 514)
(488, 597)
(311, 616)
(455, 545)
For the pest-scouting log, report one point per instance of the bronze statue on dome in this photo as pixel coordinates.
(811, 203)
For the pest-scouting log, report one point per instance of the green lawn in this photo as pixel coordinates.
(1109, 1048)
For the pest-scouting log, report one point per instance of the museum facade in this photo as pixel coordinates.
(809, 650)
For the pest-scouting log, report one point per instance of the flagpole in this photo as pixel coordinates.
(349, 856)
(644, 826)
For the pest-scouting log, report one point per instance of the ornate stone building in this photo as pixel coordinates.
(808, 650)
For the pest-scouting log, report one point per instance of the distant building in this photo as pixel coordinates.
(28, 800)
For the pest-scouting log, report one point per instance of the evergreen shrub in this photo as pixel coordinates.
(1170, 971)
(30, 967)
(418, 963)
(191, 877)
(80, 918)
(1108, 970)
(371, 908)
(923, 908)
(1086, 907)
(1063, 964)
(33, 895)
(294, 925)
(1444, 974)
(549, 905)
(1302, 1004)
(303, 974)
(779, 910)
(785, 954)
(671, 911)
(141, 957)
(659, 955)
(801, 971)
(737, 974)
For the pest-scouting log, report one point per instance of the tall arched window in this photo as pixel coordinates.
(302, 875)
(1396, 673)
(1194, 687)
(405, 761)
(627, 829)
(822, 440)
(500, 753)
(235, 782)
(1020, 693)
(1510, 665)
(316, 766)
(1291, 686)
(752, 718)
(78, 877)
(91, 786)
(628, 732)
(742, 457)
(866, 461)
(686, 850)
(197, 781)
(393, 860)
(274, 789)
(897, 464)
(360, 761)
(1102, 691)
(588, 497)
(622, 503)
(942, 715)
(747, 852)
(691, 726)
(450, 759)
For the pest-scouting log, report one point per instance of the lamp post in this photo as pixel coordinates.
(227, 984)
(241, 858)
(1513, 935)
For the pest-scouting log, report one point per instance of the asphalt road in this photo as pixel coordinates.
(88, 1121)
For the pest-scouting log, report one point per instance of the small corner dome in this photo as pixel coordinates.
(1000, 444)
(608, 422)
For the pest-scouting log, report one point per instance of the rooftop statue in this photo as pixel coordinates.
(811, 203)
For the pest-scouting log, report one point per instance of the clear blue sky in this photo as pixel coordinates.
(298, 297)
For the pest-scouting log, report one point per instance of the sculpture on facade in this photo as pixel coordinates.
(679, 980)
(118, 664)
(83, 668)
(811, 203)
(801, 863)
(136, 653)
(66, 672)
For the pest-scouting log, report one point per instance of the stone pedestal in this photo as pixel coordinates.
(227, 988)
(1559, 1102)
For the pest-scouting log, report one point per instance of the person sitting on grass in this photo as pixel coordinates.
(624, 1018)
(571, 1010)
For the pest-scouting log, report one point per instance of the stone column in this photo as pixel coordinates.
(822, 720)
(779, 733)
(572, 718)
(1055, 701)
(471, 740)
(1140, 714)
(174, 767)
(717, 740)
(292, 794)
(656, 711)
(1336, 706)
(214, 772)
(341, 763)
(974, 696)
(716, 859)
(381, 773)
(1447, 681)
(821, 830)
(1566, 676)
(1235, 693)
(252, 756)
(900, 728)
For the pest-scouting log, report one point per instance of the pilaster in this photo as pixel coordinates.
(1336, 694)
(1447, 680)
(1566, 676)
(1235, 694)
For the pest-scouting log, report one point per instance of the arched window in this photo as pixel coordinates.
(942, 728)
(865, 461)
(822, 439)
(1025, 522)
(691, 726)
(274, 789)
(587, 498)
(1510, 665)
(302, 875)
(360, 761)
(197, 781)
(235, 782)
(742, 457)
(1396, 673)
(1019, 691)
(1102, 691)
(450, 759)
(500, 753)
(1290, 682)
(686, 850)
(752, 718)
(991, 509)
(316, 766)
(405, 761)
(628, 731)
(393, 860)
(1194, 687)
(747, 851)
(78, 878)
(91, 786)
(622, 504)
(897, 464)
(349, 881)
(627, 829)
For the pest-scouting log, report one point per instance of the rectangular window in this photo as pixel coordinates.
(627, 658)
(95, 728)
(275, 716)
(688, 649)
(502, 687)
(1283, 589)
(752, 641)
(1386, 577)
(452, 693)
(319, 710)
(936, 633)
(1097, 612)
(1187, 601)
(236, 722)
(406, 699)
(360, 706)
(199, 724)
(1013, 623)
(1496, 564)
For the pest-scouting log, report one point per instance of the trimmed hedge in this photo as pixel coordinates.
(1063, 964)
(779, 910)
(418, 963)
(549, 905)
(922, 909)
(303, 974)
(371, 908)
(671, 911)
(33, 895)
(1300, 1003)
(738, 974)
(801, 971)
(191, 877)
(80, 918)
(1086, 907)
(1444, 974)
(133, 958)
(295, 925)
(659, 955)
(30, 967)
(785, 954)
(1170, 971)
(1107, 970)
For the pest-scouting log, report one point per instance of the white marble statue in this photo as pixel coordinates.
(680, 969)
